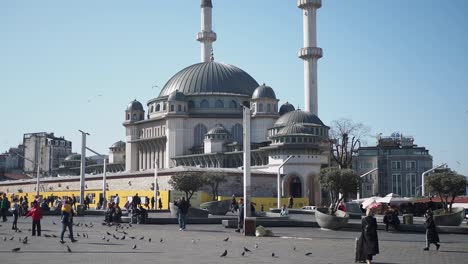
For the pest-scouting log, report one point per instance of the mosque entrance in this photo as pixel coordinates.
(295, 187)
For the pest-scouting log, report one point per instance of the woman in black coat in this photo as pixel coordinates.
(368, 243)
(432, 237)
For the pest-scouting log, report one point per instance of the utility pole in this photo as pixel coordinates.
(247, 194)
(279, 181)
(83, 165)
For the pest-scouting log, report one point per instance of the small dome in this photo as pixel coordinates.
(294, 129)
(264, 91)
(219, 129)
(285, 108)
(134, 106)
(118, 144)
(298, 117)
(73, 156)
(176, 96)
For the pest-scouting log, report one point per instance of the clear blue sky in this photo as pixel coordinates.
(394, 65)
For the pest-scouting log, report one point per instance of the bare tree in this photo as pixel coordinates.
(345, 138)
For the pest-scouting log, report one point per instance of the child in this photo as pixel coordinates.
(36, 213)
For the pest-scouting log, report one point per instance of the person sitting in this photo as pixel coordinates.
(117, 214)
(391, 219)
(284, 211)
(142, 215)
(109, 216)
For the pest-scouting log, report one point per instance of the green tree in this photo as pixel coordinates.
(187, 182)
(338, 181)
(213, 180)
(447, 185)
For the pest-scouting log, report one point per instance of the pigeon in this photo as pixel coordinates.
(125, 233)
(54, 235)
(108, 240)
(149, 239)
(132, 237)
(224, 253)
(46, 235)
(108, 233)
(78, 234)
(19, 231)
(308, 253)
(69, 249)
(226, 239)
(12, 238)
(243, 253)
(103, 238)
(246, 249)
(4, 238)
(273, 254)
(161, 240)
(15, 249)
(122, 238)
(130, 225)
(256, 245)
(53, 223)
(294, 248)
(134, 247)
(141, 238)
(25, 240)
(115, 236)
(86, 225)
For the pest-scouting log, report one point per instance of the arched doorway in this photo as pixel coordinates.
(295, 187)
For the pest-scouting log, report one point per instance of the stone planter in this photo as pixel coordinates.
(451, 219)
(333, 222)
(217, 207)
(192, 212)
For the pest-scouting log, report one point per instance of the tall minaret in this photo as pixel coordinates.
(310, 53)
(206, 36)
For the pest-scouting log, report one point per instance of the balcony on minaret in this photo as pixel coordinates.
(310, 52)
(305, 4)
(206, 36)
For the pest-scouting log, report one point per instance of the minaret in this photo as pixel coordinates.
(206, 36)
(310, 53)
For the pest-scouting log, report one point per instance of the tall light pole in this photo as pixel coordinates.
(83, 165)
(104, 176)
(247, 195)
(359, 185)
(156, 189)
(423, 175)
(279, 180)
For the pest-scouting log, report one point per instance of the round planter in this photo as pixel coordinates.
(455, 218)
(192, 212)
(327, 221)
(217, 207)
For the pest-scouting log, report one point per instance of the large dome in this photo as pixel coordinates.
(210, 78)
(298, 117)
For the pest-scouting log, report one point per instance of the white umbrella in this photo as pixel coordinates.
(369, 201)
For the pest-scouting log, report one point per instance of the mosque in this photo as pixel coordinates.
(197, 121)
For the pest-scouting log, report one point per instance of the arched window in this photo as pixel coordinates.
(260, 107)
(172, 108)
(204, 104)
(233, 104)
(151, 109)
(237, 133)
(128, 116)
(219, 104)
(179, 108)
(158, 107)
(191, 104)
(164, 106)
(198, 134)
(268, 108)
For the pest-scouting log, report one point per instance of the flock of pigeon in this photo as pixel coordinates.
(122, 233)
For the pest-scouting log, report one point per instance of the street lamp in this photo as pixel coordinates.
(279, 180)
(246, 132)
(423, 175)
(83, 165)
(104, 176)
(363, 175)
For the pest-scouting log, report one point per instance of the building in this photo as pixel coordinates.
(45, 149)
(400, 164)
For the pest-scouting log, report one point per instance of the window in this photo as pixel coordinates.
(237, 133)
(410, 184)
(411, 165)
(191, 104)
(164, 106)
(158, 107)
(233, 104)
(260, 107)
(179, 108)
(396, 183)
(128, 116)
(268, 108)
(172, 108)
(151, 108)
(134, 117)
(198, 134)
(219, 104)
(396, 165)
(204, 104)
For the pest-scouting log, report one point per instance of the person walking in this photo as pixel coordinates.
(136, 200)
(240, 218)
(36, 214)
(67, 221)
(117, 199)
(73, 201)
(182, 210)
(368, 244)
(160, 203)
(16, 211)
(152, 203)
(290, 202)
(4, 206)
(432, 237)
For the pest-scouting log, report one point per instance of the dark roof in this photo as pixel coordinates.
(264, 91)
(135, 105)
(293, 129)
(210, 78)
(206, 3)
(118, 144)
(285, 108)
(176, 96)
(219, 129)
(299, 117)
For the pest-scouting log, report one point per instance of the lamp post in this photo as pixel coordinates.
(246, 132)
(363, 175)
(279, 180)
(423, 175)
(104, 176)
(156, 188)
(83, 165)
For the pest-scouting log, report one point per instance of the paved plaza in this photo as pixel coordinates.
(204, 244)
